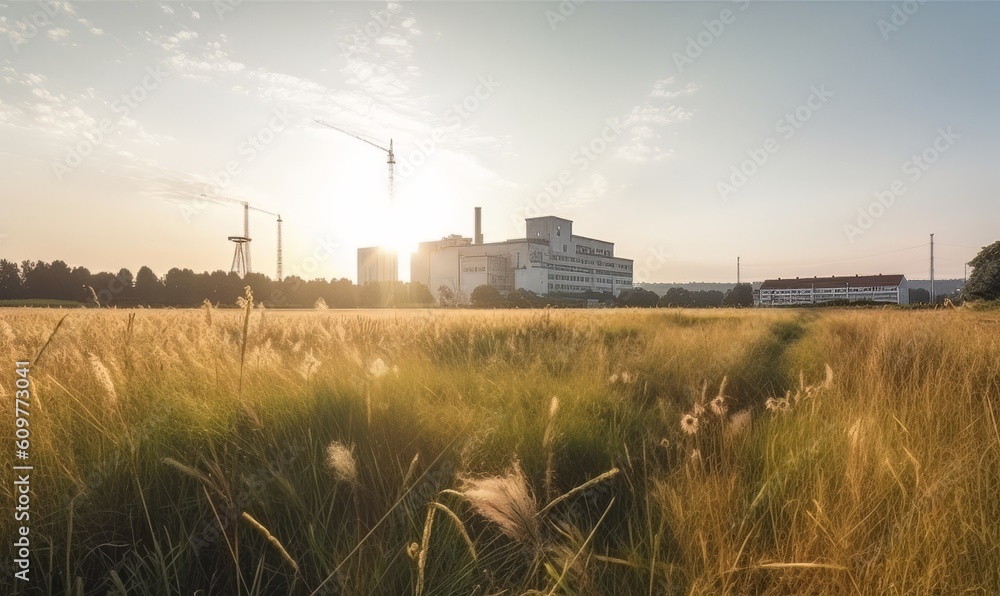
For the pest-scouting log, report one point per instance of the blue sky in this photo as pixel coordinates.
(687, 133)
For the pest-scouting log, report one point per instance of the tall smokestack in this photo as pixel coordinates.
(479, 226)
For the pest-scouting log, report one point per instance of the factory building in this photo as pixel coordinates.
(891, 289)
(377, 264)
(550, 258)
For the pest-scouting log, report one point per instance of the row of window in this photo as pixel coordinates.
(808, 291)
(588, 279)
(587, 250)
(621, 266)
(577, 288)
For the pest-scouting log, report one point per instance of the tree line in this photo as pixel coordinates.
(38, 280)
(487, 296)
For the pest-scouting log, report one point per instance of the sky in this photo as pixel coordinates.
(805, 138)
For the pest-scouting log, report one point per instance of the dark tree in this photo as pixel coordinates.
(676, 297)
(52, 281)
(420, 294)
(181, 287)
(486, 296)
(81, 278)
(373, 295)
(148, 288)
(10, 280)
(740, 295)
(707, 298)
(638, 298)
(984, 283)
(522, 298)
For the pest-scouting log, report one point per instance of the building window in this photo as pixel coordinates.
(564, 248)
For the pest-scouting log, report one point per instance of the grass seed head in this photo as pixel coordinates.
(103, 377)
(507, 502)
(719, 406)
(340, 460)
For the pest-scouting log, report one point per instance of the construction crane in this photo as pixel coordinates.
(241, 254)
(391, 159)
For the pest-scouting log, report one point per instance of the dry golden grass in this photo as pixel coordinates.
(780, 452)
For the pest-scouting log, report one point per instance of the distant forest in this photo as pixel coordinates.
(41, 281)
(37, 280)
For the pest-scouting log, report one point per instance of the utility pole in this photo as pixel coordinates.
(932, 269)
(737, 271)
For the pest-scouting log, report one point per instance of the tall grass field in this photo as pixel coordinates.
(504, 452)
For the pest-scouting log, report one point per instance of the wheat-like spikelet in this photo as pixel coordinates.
(309, 365)
(547, 443)
(256, 525)
(103, 377)
(320, 304)
(206, 306)
(507, 502)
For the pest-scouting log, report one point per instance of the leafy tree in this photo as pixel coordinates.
(373, 295)
(638, 298)
(522, 298)
(446, 297)
(486, 296)
(342, 293)
(10, 280)
(54, 281)
(676, 297)
(181, 287)
(81, 278)
(420, 294)
(740, 295)
(984, 283)
(148, 287)
(707, 298)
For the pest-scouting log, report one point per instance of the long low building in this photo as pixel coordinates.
(549, 259)
(891, 289)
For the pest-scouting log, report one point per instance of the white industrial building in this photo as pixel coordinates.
(377, 264)
(550, 258)
(876, 288)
